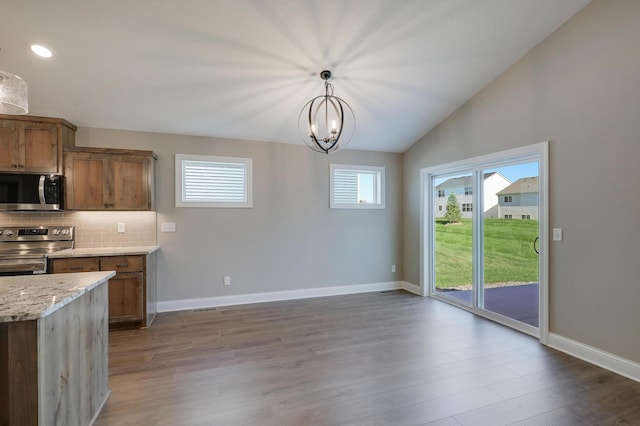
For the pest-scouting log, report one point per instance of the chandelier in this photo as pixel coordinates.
(323, 124)
(13, 94)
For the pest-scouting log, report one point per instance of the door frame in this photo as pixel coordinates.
(536, 152)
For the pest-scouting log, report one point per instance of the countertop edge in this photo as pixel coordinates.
(103, 251)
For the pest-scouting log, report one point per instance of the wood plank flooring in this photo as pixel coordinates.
(386, 358)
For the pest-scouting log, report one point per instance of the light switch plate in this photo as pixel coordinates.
(121, 227)
(168, 227)
(557, 234)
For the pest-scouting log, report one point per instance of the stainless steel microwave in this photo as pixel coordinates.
(31, 192)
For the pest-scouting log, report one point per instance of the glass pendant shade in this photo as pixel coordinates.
(326, 123)
(13, 94)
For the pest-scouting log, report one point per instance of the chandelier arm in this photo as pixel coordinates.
(313, 135)
(341, 120)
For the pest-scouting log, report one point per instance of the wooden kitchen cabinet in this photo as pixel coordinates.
(131, 291)
(109, 179)
(34, 144)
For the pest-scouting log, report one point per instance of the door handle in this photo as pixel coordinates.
(535, 245)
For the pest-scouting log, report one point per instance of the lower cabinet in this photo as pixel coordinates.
(131, 291)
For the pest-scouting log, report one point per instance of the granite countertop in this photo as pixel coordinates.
(29, 297)
(103, 251)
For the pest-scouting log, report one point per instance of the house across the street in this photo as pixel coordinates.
(461, 187)
(519, 200)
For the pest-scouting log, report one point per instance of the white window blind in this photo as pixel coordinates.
(345, 186)
(203, 181)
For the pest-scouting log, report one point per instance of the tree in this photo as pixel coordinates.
(453, 209)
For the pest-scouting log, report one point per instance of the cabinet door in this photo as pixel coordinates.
(9, 146)
(40, 147)
(125, 297)
(129, 183)
(85, 181)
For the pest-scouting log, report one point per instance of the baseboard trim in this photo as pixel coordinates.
(412, 288)
(606, 360)
(274, 296)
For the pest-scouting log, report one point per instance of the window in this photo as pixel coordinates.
(356, 187)
(466, 207)
(526, 217)
(508, 216)
(468, 190)
(439, 208)
(205, 181)
(440, 193)
(508, 198)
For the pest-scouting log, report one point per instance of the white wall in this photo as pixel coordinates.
(579, 89)
(289, 240)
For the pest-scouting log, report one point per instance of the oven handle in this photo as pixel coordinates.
(41, 189)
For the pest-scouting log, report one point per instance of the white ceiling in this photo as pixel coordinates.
(243, 69)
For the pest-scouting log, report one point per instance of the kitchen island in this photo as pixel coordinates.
(54, 335)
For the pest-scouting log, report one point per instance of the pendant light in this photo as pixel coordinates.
(13, 94)
(326, 123)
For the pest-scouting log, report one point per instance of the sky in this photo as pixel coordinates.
(513, 173)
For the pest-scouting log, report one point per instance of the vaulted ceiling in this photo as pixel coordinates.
(243, 69)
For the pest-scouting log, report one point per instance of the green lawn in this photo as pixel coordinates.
(508, 252)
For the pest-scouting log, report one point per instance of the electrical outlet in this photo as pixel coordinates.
(168, 227)
(227, 280)
(121, 227)
(393, 268)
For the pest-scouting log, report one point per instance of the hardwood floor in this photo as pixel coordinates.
(387, 358)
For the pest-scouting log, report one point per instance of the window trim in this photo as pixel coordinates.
(372, 169)
(179, 181)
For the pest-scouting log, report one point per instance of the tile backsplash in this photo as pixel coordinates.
(94, 229)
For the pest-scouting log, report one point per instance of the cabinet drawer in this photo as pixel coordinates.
(122, 263)
(75, 264)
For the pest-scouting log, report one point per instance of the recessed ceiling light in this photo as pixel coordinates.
(41, 51)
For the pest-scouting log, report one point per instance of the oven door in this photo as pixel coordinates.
(23, 265)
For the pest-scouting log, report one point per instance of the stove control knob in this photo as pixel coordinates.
(8, 232)
(56, 232)
(1, 231)
(65, 232)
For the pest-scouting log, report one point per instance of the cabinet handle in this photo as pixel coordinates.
(76, 268)
(122, 266)
(15, 166)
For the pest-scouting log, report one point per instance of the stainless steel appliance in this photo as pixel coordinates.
(24, 249)
(29, 192)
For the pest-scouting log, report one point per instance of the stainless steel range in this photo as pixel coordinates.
(24, 250)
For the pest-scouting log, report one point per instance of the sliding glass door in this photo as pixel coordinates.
(453, 228)
(484, 224)
(510, 239)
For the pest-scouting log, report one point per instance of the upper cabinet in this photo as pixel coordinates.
(34, 144)
(109, 179)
